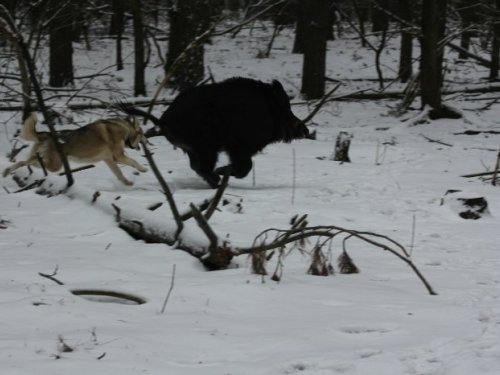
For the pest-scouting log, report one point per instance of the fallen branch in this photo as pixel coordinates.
(164, 187)
(436, 141)
(479, 174)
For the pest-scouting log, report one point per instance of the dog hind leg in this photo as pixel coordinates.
(31, 161)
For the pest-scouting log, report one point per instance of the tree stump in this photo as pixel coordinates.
(342, 145)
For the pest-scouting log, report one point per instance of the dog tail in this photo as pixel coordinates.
(131, 110)
(28, 132)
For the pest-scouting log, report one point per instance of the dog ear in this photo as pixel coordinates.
(133, 121)
(137, 126)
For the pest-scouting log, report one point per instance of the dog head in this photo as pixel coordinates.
(136, 135)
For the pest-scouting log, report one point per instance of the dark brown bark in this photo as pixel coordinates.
(189, 19)
(495, 48)
(10, 5)
(313, 70)
(300, 28)
(466, 11)
(115, 22)
(139, 59)
(380, 21)
(361, 10)
(116, 28)
(60, 44)
(406, 52)
(431, 60)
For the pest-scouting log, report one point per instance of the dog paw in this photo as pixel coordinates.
(6, 172)
(143, 169)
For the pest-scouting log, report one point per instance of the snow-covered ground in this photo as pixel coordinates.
(380, 321)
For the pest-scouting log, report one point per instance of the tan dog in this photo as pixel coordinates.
(103, 140)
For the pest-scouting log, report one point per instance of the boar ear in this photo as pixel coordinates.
(280, 93)
(278, 87)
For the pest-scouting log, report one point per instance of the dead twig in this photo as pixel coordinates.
(320, 104)
(495, 172)
(172, 281)
(218, 194)
(79, 169)
(436, 141)
(51, 276)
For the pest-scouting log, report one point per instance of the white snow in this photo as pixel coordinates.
(380, 321)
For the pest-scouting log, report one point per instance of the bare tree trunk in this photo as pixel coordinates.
(380, 21)
(361, 9)
(189, 19)
(114, 24)
(61, 48)
(313, 70)
(466, 11)
(495, 48)
(300, 28)
(406, 52)
(139, 61)
(431, 60)
(116, 28)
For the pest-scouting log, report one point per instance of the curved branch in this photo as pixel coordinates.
(165, 188)
(285, 238)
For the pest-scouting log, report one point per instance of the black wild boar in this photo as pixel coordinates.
(239, 116)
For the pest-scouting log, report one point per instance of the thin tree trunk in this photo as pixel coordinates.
(139, 63)
(313, 70)
(466, 10)
(361, 11)
(300, 28)
(406, 52)
(189, 20)
(380, 22)
(118, 17)
(495, 49)
(61, 48)
(433, 25)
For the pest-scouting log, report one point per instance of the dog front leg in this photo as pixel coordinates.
(124, 159)
(117, 172)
